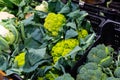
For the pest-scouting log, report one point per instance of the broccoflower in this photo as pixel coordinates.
(53, 23)
(83, 33)
(62, 48)
(20, 59)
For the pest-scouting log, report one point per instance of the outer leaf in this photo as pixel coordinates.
(65, 77)
(71, 24)
(65, 9)
(34, 58)
(16, 2)
(3, 44)
(3, 61)
(71, 33)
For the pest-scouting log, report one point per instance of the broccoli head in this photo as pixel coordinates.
(113, 78)
(101, 54)
(117, 72)
(91, 71)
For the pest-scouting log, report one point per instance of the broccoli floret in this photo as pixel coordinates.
(101, 54)
(95, 55)
(90, 74)
(117, 72)
(91, 71)
(112, 78)
(106, 61)
(65, 77)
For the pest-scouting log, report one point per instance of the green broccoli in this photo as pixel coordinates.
(117, 72)
(65, 77)
(106, 61)
(113, 78)
(91, 71)
(101, 54)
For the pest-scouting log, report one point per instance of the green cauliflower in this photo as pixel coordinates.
(83, 33)
(62, 48)
(54, 22)
(117, 72)
(91, 71)
(101, 54)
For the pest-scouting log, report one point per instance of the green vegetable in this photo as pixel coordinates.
(7, 3)
(16, 2)
(117, 72)
(83, 33)
(8, 35)
(62, 48)
(91, 71)
(53, 23)
(20, 59)
(100, 55)
(65, 77)
(106, 61)
(113, 78)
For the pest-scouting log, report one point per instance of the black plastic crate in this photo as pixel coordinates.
(95, 2)
(115, 5)
(107, 13)
(95, 22)
(15, 77)
(110, 35)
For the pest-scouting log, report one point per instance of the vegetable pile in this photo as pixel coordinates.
(101, 64)
(43, 41)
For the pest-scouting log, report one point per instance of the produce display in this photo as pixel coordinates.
(45, 39)
(101, 64)
(42, 40)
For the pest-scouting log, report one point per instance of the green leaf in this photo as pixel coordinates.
(71, 33)
(71, 24)
(74, 14)
(74, 52)
(34, 58)
(65, 77)
(35, 55)
(13, 71)
(65, 9)
(31, 43)
(16, 2)
(3, 61)
(37, 35)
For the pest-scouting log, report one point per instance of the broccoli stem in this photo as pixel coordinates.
(111, 74)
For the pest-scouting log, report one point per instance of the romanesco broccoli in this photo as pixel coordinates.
(53, 23)
(20, 59)
(83, 33)
(63, 47)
